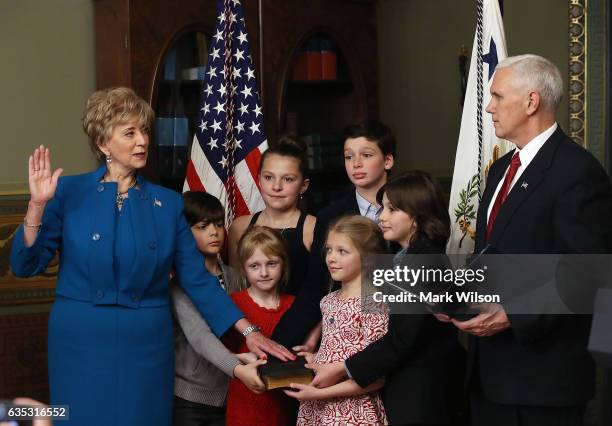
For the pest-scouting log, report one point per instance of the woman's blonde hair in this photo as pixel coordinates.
(107, 108)
(270, 242)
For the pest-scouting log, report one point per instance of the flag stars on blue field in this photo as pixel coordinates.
(242, 37)
(221, 90)
(254, 127)
(236, 80)
(216, 126)
(219, 108)
(239, 55)
(246, 92)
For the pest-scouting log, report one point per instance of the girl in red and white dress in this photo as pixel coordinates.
(348, 327)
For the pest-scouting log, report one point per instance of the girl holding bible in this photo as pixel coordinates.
(349, 325)
(419, 357)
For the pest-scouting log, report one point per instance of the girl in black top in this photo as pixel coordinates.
(282, 181)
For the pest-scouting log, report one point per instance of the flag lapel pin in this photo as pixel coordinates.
(157, 203)
(524, 185)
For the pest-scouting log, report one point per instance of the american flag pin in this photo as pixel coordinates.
(524, 185)
(157, 203)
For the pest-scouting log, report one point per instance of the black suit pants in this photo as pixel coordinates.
(489, 413)
(187, 413)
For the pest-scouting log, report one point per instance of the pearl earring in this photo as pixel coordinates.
(109, 159)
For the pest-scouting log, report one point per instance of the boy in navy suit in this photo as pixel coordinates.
(369, 155)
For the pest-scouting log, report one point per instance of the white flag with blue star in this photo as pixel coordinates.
(478, 147)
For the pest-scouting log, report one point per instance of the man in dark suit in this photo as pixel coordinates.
(549, 195)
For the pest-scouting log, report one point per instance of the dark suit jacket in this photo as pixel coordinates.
(419, 356)
(305, 312)
(542, 360)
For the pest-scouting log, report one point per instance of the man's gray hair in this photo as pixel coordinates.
(533, 72)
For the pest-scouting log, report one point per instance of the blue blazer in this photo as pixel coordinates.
(80, 222)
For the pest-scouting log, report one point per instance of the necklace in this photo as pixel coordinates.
(279, 228)
(121, 196)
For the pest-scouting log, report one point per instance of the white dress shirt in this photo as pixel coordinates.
(366, 208)
(526, 154)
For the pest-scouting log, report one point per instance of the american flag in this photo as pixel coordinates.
(230, 139)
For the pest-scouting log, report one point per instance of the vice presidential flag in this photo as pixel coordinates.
(230, 138)
(478, 147)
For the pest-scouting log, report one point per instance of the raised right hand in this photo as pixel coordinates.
(42, 181)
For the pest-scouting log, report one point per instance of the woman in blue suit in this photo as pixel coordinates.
(111, 353)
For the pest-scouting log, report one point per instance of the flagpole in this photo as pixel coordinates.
(479, 89)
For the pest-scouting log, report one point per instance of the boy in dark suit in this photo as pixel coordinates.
(369, 153)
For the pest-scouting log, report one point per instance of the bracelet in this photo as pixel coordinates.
(27, 225)
(250, 329)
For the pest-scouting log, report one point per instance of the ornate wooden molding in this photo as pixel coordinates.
(577, 70)
(19, 291)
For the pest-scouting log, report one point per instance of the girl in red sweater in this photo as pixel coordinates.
(263, 259)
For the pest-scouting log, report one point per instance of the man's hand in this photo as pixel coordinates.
(442, 317)
(491, 320)
(261, 345)
(304, 392)
(327, 374)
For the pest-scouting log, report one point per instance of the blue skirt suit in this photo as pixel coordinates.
(111, 347)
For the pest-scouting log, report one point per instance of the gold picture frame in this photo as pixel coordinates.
(587, 75)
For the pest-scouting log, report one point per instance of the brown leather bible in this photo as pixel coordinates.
(278, 374)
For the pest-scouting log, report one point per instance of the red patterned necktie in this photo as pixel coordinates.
(503, 192)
